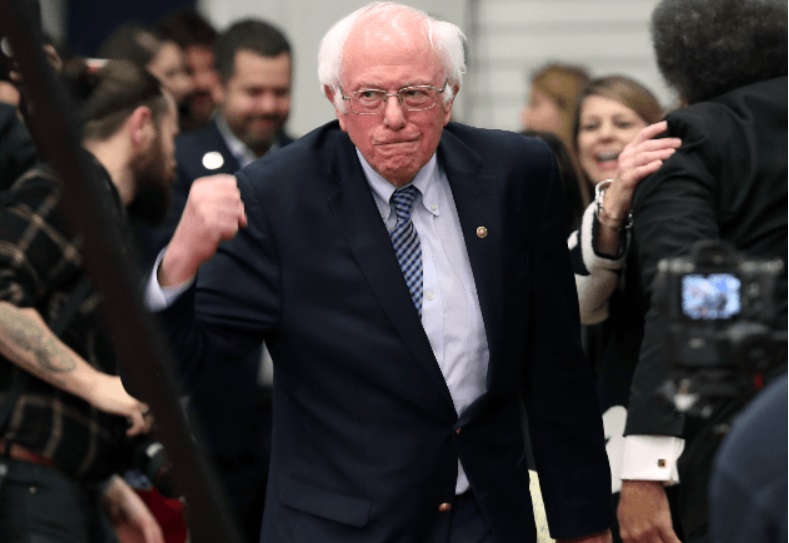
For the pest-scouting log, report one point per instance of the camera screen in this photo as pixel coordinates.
(711, 297)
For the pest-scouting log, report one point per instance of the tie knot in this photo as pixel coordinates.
(403, 201)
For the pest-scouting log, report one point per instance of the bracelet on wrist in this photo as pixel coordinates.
(619, 223)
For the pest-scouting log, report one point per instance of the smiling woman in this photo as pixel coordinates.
(612, 111)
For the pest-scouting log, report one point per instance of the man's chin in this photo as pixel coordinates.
(399, 171)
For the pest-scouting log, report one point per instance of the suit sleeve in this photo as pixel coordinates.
(564, 416)
(235, 301)
(673, 209)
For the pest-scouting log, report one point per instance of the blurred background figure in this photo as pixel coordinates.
(553, 97)
(196, 36)
(571, 181)
(9, 95)
(551, 108)
(748, 487)
(164, 58)
(253, 59)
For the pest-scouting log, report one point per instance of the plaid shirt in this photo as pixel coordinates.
(40, 267)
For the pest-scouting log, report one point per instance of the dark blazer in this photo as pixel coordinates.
(366, 439)
(728, 182)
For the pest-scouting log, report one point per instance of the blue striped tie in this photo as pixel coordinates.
(406, 242)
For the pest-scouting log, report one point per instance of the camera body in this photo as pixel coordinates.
(720, 311)
(146, 454)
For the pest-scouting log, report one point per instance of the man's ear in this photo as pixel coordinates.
(330, 95)
(141, 126)
(448, 105)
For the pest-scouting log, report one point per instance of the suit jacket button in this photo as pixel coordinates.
(458, 430)
(445, 507)
(482, 232)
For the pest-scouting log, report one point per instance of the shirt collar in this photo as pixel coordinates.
(426, 180)
(238, 148)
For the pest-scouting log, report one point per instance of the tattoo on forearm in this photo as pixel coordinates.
(21, 334)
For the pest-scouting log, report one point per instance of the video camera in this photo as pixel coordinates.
(143, 454)
(722, 313)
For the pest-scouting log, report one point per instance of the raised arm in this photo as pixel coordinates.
(214, 212)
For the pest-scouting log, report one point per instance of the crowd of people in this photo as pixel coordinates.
(411, 278)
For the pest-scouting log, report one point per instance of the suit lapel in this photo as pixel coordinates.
(476, 198)
(366, 235)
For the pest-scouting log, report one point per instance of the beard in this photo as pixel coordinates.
(154, 175)
(259, 138)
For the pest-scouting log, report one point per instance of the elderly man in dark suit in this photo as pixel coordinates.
(411, 279)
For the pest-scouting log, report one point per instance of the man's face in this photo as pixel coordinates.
(169, 67)
(396, 142)
(205, 82)
(256, 99)
(154, 171)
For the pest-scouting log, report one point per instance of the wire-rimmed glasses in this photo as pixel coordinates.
(413, 98)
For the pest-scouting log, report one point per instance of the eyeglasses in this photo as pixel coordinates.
(413, 98)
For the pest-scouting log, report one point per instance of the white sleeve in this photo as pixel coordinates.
(158, 297)
(652, 458)
(596, 276)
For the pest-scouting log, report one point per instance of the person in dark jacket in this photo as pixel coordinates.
(727, 59)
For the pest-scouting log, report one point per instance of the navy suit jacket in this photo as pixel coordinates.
(365, 438)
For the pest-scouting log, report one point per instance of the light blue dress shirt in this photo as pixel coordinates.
(451, 316)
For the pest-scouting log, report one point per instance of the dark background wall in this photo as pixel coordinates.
(88, 22)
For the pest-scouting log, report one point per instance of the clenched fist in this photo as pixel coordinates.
(214, 212)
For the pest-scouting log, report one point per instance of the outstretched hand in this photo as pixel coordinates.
(214, 212)
(640, 158)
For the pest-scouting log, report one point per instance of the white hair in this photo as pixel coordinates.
(444, 37)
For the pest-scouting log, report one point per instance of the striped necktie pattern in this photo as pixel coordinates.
(406, 242)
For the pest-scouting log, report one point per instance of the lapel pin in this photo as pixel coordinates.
(213, 160)
(482, 232)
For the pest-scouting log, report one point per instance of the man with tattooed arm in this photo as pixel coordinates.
(64, 424)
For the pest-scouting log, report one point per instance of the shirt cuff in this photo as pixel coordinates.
(652, 458)
(158, 297)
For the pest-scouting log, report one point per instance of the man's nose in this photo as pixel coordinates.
(267, 103)
(394, 112)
